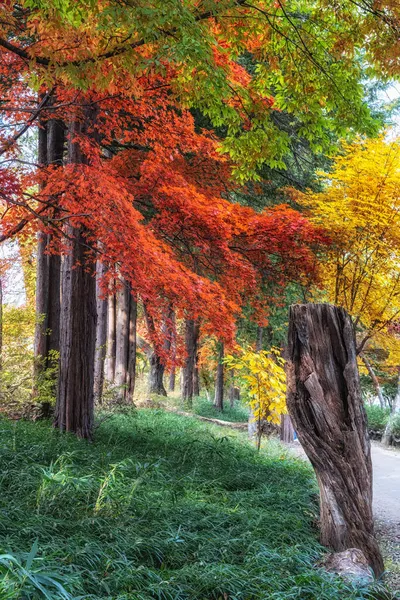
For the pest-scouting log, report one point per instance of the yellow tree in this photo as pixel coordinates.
(360, 208)
(264, 377)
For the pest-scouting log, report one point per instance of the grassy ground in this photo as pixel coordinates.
(158, 507)
(203, 407)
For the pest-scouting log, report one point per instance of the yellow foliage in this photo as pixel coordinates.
(360, 209)
(265, 380)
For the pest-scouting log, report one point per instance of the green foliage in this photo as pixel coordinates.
(377, 418)
(45, 384)
(396, 426)
(16, 375)
(21, 578)
(158, 507)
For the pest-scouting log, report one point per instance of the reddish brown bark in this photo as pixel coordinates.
(75, 400)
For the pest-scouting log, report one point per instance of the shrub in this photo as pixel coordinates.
(377, 418)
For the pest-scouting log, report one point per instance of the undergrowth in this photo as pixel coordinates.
(157, 507)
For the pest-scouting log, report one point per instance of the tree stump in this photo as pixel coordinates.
(324, 401)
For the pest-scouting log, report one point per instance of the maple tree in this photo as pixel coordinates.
(140, 186)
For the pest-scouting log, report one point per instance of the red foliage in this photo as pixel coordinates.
(154, 193)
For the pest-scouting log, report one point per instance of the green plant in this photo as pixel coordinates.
(377, 418)
(396, 425)
(46, 381)
(26, 580)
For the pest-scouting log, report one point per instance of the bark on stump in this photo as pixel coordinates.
(324, 401)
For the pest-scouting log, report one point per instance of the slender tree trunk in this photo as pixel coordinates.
(157, 367)
(75, 400)
(325, 403)
(287, 431)
(219, 382)
(252, 425)
(375, 382)
(172, 380)
(55, 154)
(111, 338)
(387, 437)
(101, 334)
(122, 339)
(42, 273)
(191, 337)
(131, 372)
(234, 391)
(125, 343)
(196, 381)
(172, 375)
(47, 332)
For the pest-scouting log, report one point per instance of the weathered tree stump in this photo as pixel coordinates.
(324, 401)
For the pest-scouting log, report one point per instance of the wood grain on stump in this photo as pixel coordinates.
(324, 401)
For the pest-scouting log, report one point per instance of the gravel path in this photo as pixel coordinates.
(386, 465)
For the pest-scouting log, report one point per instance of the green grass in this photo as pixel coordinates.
(238, 413)
(157, 507)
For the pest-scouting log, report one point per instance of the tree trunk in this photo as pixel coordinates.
(325, 403)
(125, 343)
(387, 437)
(253, 425)
(172, 375)
(101, 334)
(111, 335)
(122, 339)
(156, 375)
(48, 270)
(219, 382)
(172, 378)
(42, 274)
(375, 382)
(188, 371)
(157, 367)
(131, 371)
(287, 431)
(75, 405)
(196, 381)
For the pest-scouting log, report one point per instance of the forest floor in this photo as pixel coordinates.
(158, 506)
